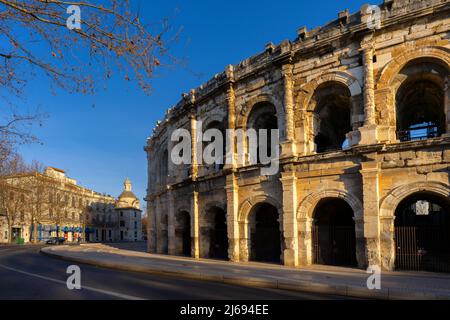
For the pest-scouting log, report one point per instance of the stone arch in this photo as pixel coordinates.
(307, 91)
(244, 224)
(303, 118)
(248, 106)
(212, 204)
(387, 214)
(208, 120)
(183, 208)
(305, 212)
(390, 71)
(213, 242)
(390, 79)
(393, 199)
(306, 207)
(247, 205)
(183, 231)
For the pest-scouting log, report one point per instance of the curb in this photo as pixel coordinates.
(301, 286)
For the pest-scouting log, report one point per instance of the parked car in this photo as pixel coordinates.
(56, 240)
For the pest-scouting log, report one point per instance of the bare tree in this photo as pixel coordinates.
(39, 187)
(35, 39)
(57, 206)
(12, 193)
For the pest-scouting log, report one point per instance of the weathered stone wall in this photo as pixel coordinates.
(344, 64)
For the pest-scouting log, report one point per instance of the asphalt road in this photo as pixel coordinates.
(27, 274)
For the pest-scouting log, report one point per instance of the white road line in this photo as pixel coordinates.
(106, 292)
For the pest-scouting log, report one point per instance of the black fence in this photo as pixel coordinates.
(424, 248)
(419, 133)
(334, 245)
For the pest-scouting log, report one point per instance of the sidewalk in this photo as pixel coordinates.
(321, 279)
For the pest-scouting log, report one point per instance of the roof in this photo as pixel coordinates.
(127, 194)
(56, 169)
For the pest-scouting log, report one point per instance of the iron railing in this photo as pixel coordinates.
(422, 248)
(334, 245)
(419, 132)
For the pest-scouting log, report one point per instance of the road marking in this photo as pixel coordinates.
(106, 292)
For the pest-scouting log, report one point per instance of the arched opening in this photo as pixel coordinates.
(422, 233)
(334, 236)
(265, 234)
(331, 103)
(163, 173)
(164, 235)
(215, 240)
(220, 158)
(420, 101)
(183, 233)
(263, 116)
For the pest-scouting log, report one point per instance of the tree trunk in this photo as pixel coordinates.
(34, 232)
(9, 233)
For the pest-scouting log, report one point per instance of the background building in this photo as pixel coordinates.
(363, 109)
(50, 204)
(129, 215)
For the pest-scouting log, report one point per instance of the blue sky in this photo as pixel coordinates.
(99, 139)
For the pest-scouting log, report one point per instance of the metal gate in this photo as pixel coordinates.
(334, 245)
(423, 248)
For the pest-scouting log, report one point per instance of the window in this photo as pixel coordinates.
(135, 224)
(121, 213)
(331, 106)
(420, 101)
(122, 223)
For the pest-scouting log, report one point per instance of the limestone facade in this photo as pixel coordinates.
(57, 206)
(346, 98)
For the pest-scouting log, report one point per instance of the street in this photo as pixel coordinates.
(27, 274)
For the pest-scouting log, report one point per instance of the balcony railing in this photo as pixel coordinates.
(419, 132)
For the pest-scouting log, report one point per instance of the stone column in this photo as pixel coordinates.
(171, 224)
(369, 86)
(370, 178)
(387, 242)
(290, 224)
(230, 157)
(151, 245)
(195, 248)
(244, 241)
(447, 105)
(288, 146)
(305, 249)
(158, 224)
(232, 189)
(194, 144)
(369, 130)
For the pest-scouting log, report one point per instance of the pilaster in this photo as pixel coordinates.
(195, 228)
(232, 190)
(370, 177)
(288, 146)
(369, 130)
(290, 224)
(171, 224)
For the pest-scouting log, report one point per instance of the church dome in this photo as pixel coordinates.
(127, 198)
